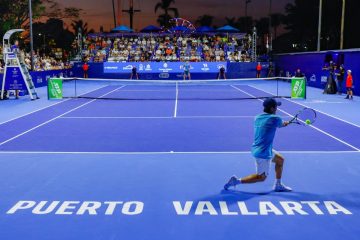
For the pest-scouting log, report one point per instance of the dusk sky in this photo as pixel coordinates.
(99, 13)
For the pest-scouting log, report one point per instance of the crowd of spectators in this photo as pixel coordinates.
(45, 62)
(41, 62)
(167, 48)
(149, 48)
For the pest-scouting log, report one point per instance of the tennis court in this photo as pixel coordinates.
(153, 164)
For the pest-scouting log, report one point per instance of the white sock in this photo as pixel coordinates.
(278, 181)
(238, 181)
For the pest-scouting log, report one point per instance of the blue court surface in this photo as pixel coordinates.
(155, 169)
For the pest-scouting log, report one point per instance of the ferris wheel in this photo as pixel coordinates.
(181, 25)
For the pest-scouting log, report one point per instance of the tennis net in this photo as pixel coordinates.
(117, 89)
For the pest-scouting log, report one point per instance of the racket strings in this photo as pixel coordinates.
(307, 114)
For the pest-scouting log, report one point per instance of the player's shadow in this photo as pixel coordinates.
(231, 197)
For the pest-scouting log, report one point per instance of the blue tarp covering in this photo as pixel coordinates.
(227, 28)
(122, 28)
(205, 29)
(150, 28)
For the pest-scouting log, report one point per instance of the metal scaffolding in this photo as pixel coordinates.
(253, 42)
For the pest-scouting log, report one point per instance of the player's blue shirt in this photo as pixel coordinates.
(186, 68)
(264, 128)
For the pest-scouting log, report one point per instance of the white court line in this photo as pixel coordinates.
(44, 123)
(44, 108)
(165, 153)
(150, 117)
(318, 129)
(33, 111)
(176, 100)
(343, 120)
(116, 117)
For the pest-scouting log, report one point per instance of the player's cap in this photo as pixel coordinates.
(349, 71)
(271, 102)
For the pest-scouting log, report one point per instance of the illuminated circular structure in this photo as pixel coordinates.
(180, 25)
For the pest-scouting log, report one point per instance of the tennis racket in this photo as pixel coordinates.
(305, 116)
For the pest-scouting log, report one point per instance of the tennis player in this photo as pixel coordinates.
(187, 70)
(265, 127)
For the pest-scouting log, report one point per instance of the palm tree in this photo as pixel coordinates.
(276, 21)
(80, 25)
(245, 24)
(165, 6)
(262, 27)
(163, 20)
(231, 21)
(205, 20)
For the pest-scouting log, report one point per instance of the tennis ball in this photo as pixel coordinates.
(307, 121)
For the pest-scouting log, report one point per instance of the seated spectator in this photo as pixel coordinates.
(174, 48)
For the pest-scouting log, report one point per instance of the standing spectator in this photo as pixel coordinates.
(258, 70)
(299, 74)
(340, 78)
(85, 68)
(349, 85)
(222, 73)
(271, 70)
(330, 87)
(134, 73)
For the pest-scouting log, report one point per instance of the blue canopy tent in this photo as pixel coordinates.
(205, 29)
(122, 28)
(227, 29)
(179, 29)
(150, 28)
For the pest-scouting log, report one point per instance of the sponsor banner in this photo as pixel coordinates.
(14, 80)
(313, 78)
(162, 67)
(298, 88)
(55, 90)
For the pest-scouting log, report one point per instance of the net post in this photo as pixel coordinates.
(55, 88)
(305, 82)
(75, 87)
(48, 88)
(298, 87)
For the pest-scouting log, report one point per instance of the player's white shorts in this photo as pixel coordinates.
(263, 165)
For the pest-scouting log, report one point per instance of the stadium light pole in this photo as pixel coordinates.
(342, 25)
(270, 34)
(246, 6)
(31, 37)
(319, 26)
(113, 7)
(246, 15)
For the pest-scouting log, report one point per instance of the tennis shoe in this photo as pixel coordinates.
(279, 187)
(233, 181)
